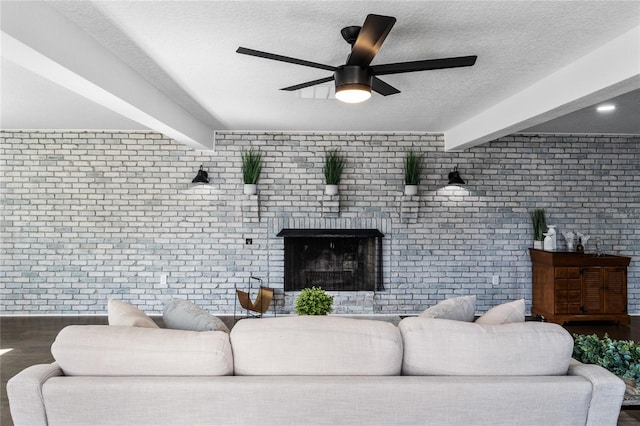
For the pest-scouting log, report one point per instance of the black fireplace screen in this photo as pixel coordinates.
(335, 260)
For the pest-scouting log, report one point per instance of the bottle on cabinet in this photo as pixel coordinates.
(550, 238)
(580, 247)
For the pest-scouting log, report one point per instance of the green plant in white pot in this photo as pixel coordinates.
(412, 165)
(333, 165)
(539, 222)
(314, 301)
(251, 168)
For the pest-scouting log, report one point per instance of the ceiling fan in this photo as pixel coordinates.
(356, 78)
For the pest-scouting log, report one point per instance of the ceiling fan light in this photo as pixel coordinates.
(606, 108)
(353, 93)
(353, 83)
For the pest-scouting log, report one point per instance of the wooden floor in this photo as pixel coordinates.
(30, 339)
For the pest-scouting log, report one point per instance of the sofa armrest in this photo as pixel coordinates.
(24, 391)
(607, 394)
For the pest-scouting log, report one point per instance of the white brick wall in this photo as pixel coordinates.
(90, 215)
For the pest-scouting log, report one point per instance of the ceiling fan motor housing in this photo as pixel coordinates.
(353, 76)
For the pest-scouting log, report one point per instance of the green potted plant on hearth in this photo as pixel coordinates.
(412, 164)
(314, 301)
(333, 165)
(539, 222)
(251, 168)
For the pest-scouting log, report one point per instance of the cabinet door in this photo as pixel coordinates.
(592, 291)
(615, 280)
(567, 290)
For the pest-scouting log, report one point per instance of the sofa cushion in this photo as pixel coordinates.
(316, 345)
(504, 313)
(445, 347)
(182, 314)
(461, 308)
(99, 350)
(123, 313)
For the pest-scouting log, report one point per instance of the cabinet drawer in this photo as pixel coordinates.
(567, 272)
(568, 284)
(568, 296)
(567, 308)
(574, 285)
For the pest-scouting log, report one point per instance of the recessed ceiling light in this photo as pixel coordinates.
(606, 108)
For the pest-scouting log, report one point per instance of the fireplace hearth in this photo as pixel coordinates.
(333, 259)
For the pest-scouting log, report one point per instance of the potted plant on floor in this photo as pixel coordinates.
(251, 168)
(314, 301)
(539, 227)
(412, 164)
(333, 165)
(621, 357)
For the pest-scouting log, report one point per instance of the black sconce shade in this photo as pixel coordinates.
(201, 177)
(454, 177)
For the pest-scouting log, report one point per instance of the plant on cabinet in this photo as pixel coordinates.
(539, 222)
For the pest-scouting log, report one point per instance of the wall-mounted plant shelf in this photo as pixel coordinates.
(330, 205)
(409, 206)
(250, 209)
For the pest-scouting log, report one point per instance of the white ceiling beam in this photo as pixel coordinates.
(41, 40)
(607, 72)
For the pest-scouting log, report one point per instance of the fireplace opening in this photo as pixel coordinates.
(333, 259)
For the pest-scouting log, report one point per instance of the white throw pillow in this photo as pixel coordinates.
(122, 313)
(504, 314)
(181, 314)
(458, 308)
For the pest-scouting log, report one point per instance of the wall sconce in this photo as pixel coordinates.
(201, 178)
(454, 177)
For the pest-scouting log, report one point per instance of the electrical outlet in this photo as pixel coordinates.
(163, 279)
(248, 241)
(496, 279)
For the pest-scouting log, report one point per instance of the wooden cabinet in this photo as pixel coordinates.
(569, 286)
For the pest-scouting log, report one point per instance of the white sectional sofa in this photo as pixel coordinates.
(317, 371)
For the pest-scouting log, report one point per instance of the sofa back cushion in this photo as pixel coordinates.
(316, 345)
(100, 350)
(445, 347)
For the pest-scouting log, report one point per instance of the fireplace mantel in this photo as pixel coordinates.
(330, 233)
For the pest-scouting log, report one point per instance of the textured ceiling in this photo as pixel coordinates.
(187, 50)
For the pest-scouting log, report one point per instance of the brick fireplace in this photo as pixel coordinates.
(333, 259)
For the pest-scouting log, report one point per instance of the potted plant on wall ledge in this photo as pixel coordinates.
(412, 164)
(333, 165)
(539, 227)
(251, 168)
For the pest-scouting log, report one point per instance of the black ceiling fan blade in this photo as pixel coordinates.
(372, 34)
(428, 64)
(383, 88)
(273, 56)
(307, 84)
